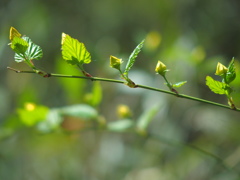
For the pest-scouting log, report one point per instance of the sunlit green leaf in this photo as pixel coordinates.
(216, 86)
(133, 57)
(19, 45)
(73, 51)
(120, 125)
(33, 52)
(179, 84)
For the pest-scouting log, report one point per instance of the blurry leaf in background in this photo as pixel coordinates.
(95, 97)
(31, 114)
(146, 117)
(198, 54)
(74, 89)
(153, 40)
(33, 52)
(52, 122)
(82, 111)
(73, 51)
(120, 125)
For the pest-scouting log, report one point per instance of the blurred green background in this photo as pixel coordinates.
(189, 36)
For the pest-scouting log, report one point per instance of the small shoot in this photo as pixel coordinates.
(132, 57)
(116, 62)
(25, 50)
(228, 74)
(161, 69)
(75, 53)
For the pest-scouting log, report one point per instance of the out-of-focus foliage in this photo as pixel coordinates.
(190, 36)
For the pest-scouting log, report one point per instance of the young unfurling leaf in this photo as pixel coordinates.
(231, 73)
(133, 57)
(74, 52)
(179, 84)
(14, 33)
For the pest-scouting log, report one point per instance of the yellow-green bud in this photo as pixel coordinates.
(161, 68)
(221, 69)
(115, 62)
(124, 111)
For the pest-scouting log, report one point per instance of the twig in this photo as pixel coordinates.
(136, 86)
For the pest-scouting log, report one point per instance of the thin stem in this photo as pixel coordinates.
(137, 86)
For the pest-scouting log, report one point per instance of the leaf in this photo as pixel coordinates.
(80, 111)
(147, 117)
(73, 51)
(133, 57)
(231, 73)
(120, 125)
(19, 45)
(33, 52)
(216, 86)
(179, 84)
(52, 122)
(96, 94)
(14, 33)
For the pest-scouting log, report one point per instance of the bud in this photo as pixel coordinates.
(115, 62)
(30, 106)
(221, 69)
(161, 68)
(124, 111)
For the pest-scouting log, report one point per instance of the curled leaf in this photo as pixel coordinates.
(14, 33)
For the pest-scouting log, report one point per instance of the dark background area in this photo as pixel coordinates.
(189, 36)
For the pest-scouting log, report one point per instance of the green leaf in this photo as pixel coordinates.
(133, 57)
(33, 52)
(74, 52)
(19, 45)
(216, 86)
(179, 84)
(96, 94)
(80, 110)
(53, 121)
(120, 125)
(231, 73)
(146, 117)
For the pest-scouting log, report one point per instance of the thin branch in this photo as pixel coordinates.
(136, 86)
